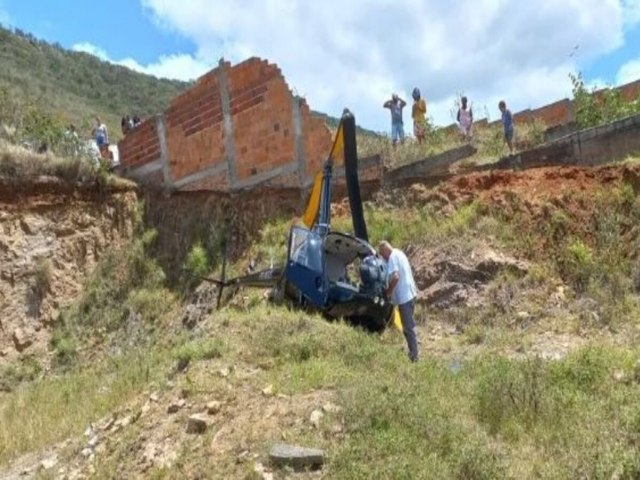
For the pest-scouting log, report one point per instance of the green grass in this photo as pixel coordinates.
(62, 406)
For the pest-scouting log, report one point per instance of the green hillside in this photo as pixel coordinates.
(76, 85)
(79, 86)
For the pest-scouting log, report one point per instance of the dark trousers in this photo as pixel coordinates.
(409, 328)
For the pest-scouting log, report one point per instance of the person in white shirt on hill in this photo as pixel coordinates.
(402, 291)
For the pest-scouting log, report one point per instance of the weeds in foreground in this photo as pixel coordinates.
(124, 295)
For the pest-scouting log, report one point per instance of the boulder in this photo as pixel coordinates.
(284, 455)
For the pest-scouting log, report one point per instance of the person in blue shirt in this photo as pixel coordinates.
(396, 104)
(402, 291)
(507, 123)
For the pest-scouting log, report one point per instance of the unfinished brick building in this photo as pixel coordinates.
(237, 127)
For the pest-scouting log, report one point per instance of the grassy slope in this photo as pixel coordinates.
(485, 414)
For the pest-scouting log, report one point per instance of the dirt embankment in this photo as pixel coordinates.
(183, 219)
(532, 187)
(51, 236)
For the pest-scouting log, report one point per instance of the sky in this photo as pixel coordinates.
(354, 54)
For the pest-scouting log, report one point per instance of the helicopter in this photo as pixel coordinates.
(319, 270)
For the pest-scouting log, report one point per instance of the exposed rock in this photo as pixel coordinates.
(445, 281)
(123, 422)
(199, 304)
(30, 235)
(107, 424)
(316, 417)
(93, 441)
(86, 452)
(49, 462)
(296, 457)
(22, 339)
(214, 407)
(268, 391)
(196, 424)
(331, 408)
(153, 397)
(177, 405)
(619, 376)
(260, 470)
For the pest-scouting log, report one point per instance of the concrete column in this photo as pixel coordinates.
(299, 141)
(161, 128)
(228, 125)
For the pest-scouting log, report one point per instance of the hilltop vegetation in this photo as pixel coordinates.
(78, 86)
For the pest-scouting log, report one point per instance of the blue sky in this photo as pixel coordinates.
(485, 49)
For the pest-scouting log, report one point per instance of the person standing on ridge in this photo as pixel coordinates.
(396, 104)
(465, 119)
(418, 113)
(507, 123)
(402, 291)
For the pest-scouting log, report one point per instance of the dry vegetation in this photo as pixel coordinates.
(483, 403)
(488, 140)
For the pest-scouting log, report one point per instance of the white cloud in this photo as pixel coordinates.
(5, 18)
(179, 66)
(91, 49)
(629, 72)
(356, 53)
(631, 12)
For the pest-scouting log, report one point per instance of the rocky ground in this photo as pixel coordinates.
(478, 296)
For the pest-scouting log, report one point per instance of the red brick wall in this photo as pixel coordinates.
(631, 91)
(141, 146)
(262, 115)
(261, 106)
(195, 137)
(557, 113)
(317, 144)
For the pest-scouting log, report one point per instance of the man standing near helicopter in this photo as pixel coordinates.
(401, 291)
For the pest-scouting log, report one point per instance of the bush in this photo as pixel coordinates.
(576, 264)
(199, 350)
(197, 262)
(596, 107)
(23, 370)
(511, 393)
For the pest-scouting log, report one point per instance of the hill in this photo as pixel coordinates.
(80, 86)
(77, 85)
(527, 315)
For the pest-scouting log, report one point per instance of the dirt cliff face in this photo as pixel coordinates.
(51, 236)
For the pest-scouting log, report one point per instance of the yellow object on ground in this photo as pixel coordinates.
(397, 322)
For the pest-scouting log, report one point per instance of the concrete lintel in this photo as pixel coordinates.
(201, 175)
(229, 144)
(145, 169)
(363, 164)
(265, 176)
(299, 140)
(161, 128)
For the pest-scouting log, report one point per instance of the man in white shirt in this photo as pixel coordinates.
(402, 291)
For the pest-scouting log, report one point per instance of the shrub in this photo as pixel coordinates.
(512, 393)
(199, 350)
(577, 264)
(23, 370)
(43, 275)
(197, 262)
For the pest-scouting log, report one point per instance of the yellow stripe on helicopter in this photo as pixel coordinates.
(311, 213)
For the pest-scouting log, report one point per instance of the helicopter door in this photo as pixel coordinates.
(305, 265)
